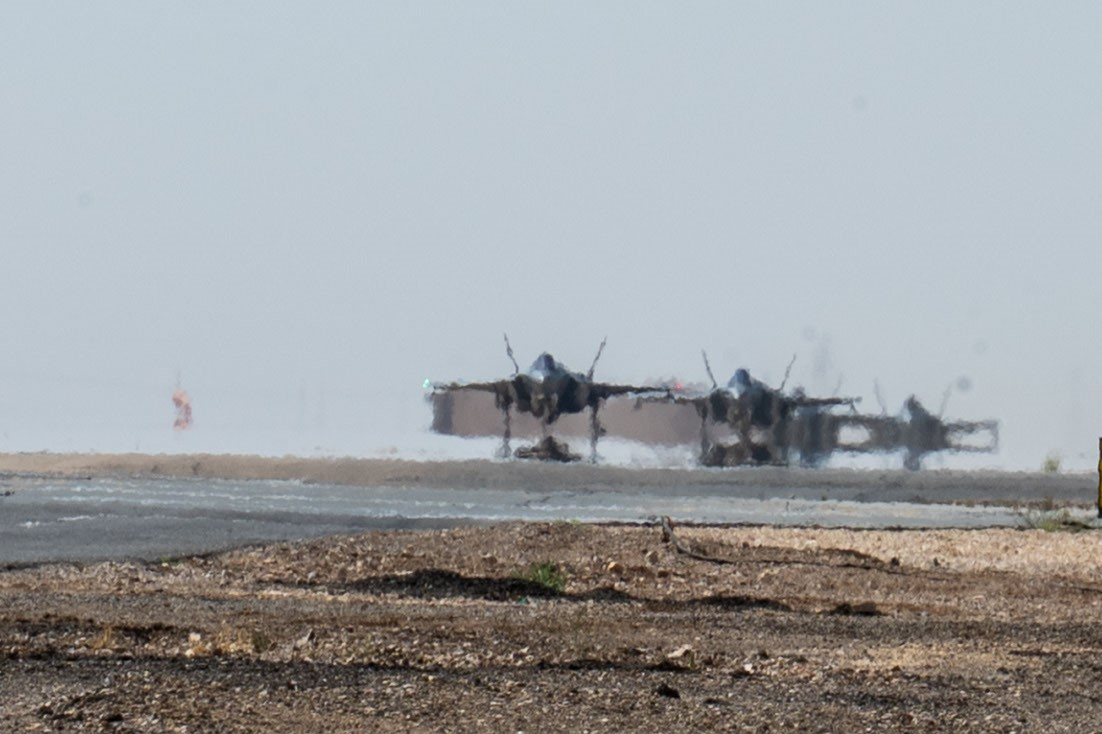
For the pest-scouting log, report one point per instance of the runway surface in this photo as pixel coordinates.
(126, 507)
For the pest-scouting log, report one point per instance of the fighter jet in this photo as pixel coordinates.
(547, 390)
(771, 427)
(763, 425)
(917, 432)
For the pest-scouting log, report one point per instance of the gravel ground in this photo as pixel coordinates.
(730, 629)
(563, 626)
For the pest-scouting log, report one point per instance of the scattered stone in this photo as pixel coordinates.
(684, 650)
(667, 691)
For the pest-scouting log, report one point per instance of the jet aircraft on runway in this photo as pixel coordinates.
(745, 422)
(547, 390)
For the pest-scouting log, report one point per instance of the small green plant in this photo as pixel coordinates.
(546, 574)
(1051, 464)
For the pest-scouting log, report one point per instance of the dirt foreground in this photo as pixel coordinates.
(568, 627)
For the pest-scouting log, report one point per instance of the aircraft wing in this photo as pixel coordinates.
(474, 413)
(494, 386)
(605, 390)
(805, 402)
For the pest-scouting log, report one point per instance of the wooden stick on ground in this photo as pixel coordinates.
(668, 536)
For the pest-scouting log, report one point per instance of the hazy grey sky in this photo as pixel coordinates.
(306, 209)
